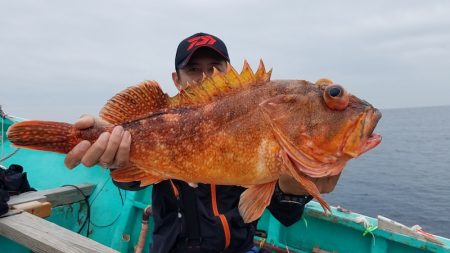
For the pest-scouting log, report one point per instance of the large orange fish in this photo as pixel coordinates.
(231, 129)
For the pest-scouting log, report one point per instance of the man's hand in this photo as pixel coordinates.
(109, 150)
(290, 186)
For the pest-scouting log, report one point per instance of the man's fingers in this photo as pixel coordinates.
(115, 139)
(84, 122)
(97, 149)
(123, 153)
(73, 158)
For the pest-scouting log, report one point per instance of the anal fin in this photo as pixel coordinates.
(254, 200)
(132, 173)
(305, 182)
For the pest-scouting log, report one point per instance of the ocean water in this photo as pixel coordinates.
(407, 177)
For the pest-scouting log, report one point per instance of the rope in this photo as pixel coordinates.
(305, 221)
(88, 215)
(369, 228)
(8, 156)
(3, 131)
(95, 197)
(4, 116)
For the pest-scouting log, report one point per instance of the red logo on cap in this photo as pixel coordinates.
(200, 41)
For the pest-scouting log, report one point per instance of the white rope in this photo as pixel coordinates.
(367, 226)
(361, 219)
(3, 132)
(4, 116)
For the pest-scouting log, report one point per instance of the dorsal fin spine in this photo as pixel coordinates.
(233, 77)
(267, 76)
(219, 84)
(220, 81)
(247, 77)
(259, 75)
(201, 94)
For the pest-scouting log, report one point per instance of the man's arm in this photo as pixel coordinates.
(324, 184)
(289, 199)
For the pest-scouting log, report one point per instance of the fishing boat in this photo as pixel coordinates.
(81, 210)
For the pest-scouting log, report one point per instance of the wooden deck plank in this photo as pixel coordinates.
(57, 196)
(43, 236)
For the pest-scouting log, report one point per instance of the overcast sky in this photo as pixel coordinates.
(60, 59)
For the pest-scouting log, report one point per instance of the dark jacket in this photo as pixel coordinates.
(206, 218)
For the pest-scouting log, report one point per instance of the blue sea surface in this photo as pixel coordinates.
(407, 177)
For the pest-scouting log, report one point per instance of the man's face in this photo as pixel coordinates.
(203, 61)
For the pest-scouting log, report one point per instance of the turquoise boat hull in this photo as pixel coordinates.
(116, 214)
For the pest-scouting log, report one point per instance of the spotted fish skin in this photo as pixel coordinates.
(231, 129)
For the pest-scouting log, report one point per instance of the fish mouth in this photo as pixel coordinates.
(373, 139)
(360, 140)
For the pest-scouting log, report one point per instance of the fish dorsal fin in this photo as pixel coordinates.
(134, 102)
(324, 81)
(219, 84)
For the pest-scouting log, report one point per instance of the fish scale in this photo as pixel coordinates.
(230, 129)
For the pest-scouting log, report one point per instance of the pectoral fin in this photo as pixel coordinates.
(254, 200)
(134, 173)
(305, 182)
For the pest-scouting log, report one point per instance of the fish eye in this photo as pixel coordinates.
(335, 91)
(336, 98)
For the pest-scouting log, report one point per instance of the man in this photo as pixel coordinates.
(205, 218)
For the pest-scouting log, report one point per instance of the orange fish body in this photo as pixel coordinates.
(232, 129)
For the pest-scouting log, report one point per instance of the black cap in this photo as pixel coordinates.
(188, 46)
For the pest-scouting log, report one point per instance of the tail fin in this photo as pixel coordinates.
(44, 135)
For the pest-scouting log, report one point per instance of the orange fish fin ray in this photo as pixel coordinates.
(220, 81)
(324, 81)
(261, 71)
(233, 77)
(247, 76)
(134, 102)
(149, 181)
(132, 173)
(267, 76)
(305, 182)
(219, 84)
(43, 135)
(254, 200)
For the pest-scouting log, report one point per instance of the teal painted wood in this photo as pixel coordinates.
(108, 215)
(343, 232)
(381, 246)
(117, 224)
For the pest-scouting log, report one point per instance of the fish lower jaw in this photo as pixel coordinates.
(373, 141)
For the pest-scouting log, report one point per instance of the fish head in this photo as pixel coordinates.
(321, 126)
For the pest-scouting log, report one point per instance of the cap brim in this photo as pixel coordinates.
(188, 58)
